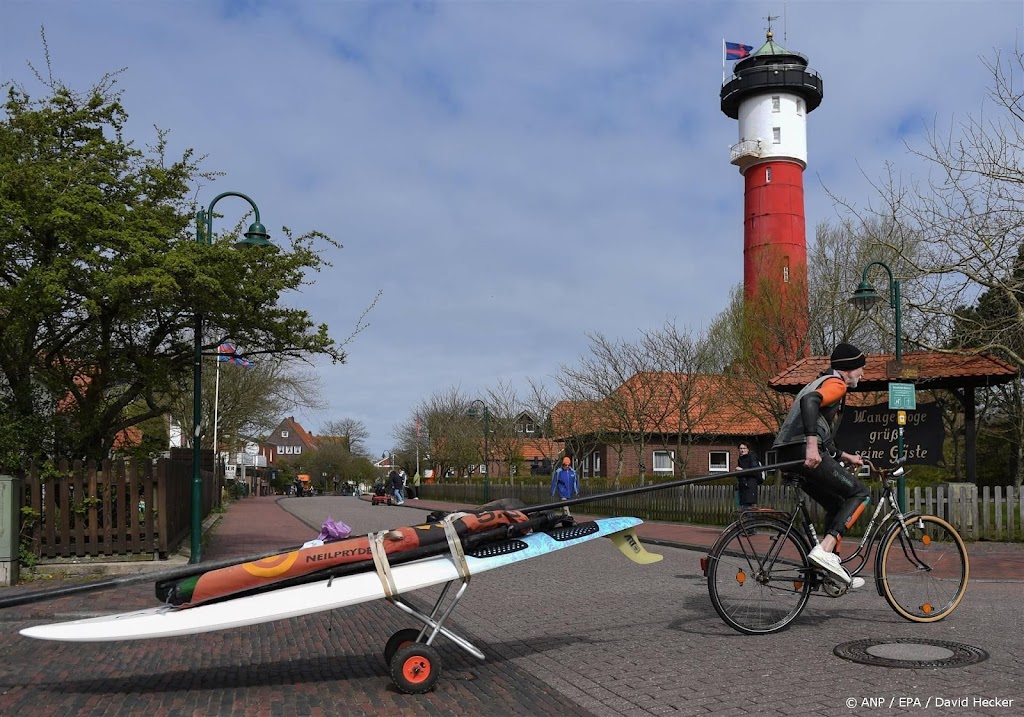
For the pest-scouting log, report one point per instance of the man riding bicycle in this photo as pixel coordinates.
(808, 434)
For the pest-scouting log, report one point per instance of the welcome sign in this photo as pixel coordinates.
(872, 432)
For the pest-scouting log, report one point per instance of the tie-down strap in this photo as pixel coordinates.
(455, 546)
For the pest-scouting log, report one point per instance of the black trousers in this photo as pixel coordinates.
(831, 486)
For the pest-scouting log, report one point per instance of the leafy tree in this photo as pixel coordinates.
(101, 277)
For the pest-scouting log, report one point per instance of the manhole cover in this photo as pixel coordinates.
(910, 653)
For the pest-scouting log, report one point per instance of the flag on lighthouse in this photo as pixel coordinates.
(736, 51)
(227, 353)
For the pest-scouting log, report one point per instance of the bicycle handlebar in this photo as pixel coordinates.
(885, 473)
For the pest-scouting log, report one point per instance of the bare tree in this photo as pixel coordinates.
(453, 438)
(352, 430)
(623, 381)
(683, 359)
(958, 232)
(250, 400)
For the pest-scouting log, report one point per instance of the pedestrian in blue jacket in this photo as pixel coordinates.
(565, 482)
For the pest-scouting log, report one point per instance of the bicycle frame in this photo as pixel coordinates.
(798, 522)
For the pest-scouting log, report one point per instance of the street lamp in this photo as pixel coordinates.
(864, 298)
(487, 478)
(256, 236)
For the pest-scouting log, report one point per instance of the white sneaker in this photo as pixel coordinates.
(856, 583)
(829, 562)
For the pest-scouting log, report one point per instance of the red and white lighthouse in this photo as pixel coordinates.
(771, 92)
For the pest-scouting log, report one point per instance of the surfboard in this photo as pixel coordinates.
(331, 593)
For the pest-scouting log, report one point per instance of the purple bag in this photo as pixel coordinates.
(333, 530)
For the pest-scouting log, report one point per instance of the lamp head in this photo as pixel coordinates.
(256, 236)
(865, 296)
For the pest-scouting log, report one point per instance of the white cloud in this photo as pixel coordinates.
(512, 174)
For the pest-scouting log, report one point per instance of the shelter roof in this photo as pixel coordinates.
(926, 369)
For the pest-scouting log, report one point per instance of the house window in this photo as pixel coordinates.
(297, 450)
(771, 457)
(718, 461)
(768, 175)
(776, 103)
(777, 135)
(529, 428)
(595, 463)
(284, 434)
(662, 461)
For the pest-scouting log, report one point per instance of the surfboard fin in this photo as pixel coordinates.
(631, 547)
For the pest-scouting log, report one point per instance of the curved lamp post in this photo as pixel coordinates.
(256, 236)
(864, 298)
(487, 477)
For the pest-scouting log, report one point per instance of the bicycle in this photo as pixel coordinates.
(759, 578)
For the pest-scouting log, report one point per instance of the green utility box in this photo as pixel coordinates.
(10, 529)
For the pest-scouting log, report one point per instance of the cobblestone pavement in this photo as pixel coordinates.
(580, 632)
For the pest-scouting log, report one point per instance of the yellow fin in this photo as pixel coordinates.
(629, 544)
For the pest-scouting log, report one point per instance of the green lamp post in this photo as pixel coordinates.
(256, 236)
(487, 432)
(864, 298)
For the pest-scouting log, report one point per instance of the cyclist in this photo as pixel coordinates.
(807, 433)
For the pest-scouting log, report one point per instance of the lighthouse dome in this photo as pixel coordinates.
(772, 68)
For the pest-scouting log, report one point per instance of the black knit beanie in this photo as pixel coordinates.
(847, 357)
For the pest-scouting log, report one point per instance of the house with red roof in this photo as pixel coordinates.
(664, 424)
(290, 440)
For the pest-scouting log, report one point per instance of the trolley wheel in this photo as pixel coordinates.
(398, 640)
(415, 668)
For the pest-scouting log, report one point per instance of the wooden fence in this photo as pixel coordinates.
(978, 514)
(115, 508)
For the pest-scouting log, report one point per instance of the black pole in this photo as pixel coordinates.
(190, 570)
(658, 486)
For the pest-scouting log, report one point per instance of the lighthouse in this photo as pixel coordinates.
(770, 93)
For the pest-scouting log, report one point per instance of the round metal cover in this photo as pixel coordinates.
(910, 653)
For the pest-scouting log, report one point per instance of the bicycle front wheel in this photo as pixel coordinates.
(758, 577)
(924, 569)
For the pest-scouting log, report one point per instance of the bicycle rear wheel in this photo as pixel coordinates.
(758, 577)
(923, 569)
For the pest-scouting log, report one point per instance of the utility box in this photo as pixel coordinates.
(10, 529)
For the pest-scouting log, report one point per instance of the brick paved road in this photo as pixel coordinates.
(580, 632)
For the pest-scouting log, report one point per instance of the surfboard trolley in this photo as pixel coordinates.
(413, 661)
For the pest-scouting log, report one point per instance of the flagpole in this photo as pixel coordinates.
(216, 404)
(723, 60)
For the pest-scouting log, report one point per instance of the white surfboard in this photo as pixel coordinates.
(167, 621)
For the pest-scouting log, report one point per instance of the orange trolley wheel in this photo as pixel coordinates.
(415, 668)
(399, 640)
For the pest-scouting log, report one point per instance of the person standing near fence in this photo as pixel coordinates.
(746, 485)
(565, 482)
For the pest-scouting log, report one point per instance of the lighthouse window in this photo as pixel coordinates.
(776, 102)
(785, 272)
(800, 107)
(777, 135)
(768, 175)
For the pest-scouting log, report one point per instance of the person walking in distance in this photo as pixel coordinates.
(565, 482)
(808, 434)
(396, 483)
(746, 485)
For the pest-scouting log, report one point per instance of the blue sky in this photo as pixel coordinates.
(511, 175)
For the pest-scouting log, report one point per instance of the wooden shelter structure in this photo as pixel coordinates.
(927, 370)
